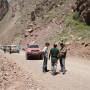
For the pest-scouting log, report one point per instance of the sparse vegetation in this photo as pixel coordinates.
(59, 13)
(83, 8)
(75, 30)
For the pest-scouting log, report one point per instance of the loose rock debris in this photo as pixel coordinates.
(13, 77)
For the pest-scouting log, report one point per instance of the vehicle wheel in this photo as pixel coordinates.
(10, 52)
(41, 57)
(27, 57)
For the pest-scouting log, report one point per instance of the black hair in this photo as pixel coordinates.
(55, 45)
(47, 44)
(62, 44)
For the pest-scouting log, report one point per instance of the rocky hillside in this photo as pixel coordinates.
(24, 13)
(12, 77)
(45, 19)
(44, 7)
(83, 10)
(3, 8)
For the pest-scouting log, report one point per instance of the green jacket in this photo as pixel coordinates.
(54, 53)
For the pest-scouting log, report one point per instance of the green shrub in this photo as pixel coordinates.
(76, 15)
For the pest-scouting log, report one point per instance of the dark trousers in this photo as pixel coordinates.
(62, 63)
(53, 65)
(45, 64)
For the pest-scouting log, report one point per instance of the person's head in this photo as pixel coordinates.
(47, 44)
(62, 44)
(55, 45)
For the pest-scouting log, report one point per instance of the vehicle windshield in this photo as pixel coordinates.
(33, 46)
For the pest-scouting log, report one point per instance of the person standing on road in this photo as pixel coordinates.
(54, 53)
(45, 54)
(63, 52)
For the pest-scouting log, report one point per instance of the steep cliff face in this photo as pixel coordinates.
(83, 8)
(3, 8)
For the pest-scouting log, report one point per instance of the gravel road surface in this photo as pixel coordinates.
(77, 76)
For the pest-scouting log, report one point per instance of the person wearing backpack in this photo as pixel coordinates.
(54, 53)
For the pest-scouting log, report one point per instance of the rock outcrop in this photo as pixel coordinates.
(83, 9)
(3, 8)
(44, 7)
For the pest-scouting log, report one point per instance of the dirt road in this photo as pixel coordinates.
(76, 78)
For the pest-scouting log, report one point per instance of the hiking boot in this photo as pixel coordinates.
(44, 71)
(64, 72)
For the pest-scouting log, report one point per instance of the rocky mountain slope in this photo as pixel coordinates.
(41, 21)
(34, 15)
(3, 8)
(83, 9)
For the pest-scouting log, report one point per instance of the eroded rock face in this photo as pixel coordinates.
(44, 7)
(83, 8)
(3, 8)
